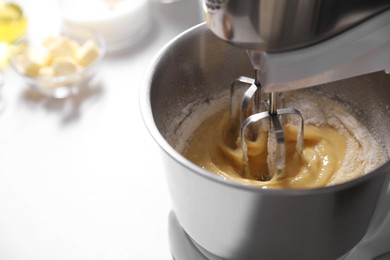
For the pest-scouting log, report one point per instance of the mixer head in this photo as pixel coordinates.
(283, 25)
(288, 40)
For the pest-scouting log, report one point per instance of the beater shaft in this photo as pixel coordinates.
(257, 99)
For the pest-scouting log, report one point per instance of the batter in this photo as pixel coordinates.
(337, 148)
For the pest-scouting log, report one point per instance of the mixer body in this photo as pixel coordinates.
(283, 25)
(292, 44)
(234, 221)
(296, 44)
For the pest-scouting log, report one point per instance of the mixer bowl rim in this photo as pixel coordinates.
(147, 116)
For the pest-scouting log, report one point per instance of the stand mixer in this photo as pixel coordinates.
(291, 44)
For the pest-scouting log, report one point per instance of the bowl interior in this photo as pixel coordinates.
(197, 65)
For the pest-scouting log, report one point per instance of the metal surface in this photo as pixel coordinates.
(360, 50)
(296, 44)
(184, 248)
(269, 111)
(280, 25)
(234, 221)
(276, 132)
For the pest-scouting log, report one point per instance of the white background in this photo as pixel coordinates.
(82, 178)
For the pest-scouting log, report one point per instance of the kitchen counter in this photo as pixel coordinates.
(82, 178)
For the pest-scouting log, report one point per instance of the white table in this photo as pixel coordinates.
(70, 187)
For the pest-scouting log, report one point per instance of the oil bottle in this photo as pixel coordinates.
(13, 25)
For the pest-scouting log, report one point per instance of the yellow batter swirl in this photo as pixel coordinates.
(337, 148)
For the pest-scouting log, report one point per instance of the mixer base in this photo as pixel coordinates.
(184, 248)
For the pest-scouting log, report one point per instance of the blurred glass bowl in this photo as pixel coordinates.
(60, 86)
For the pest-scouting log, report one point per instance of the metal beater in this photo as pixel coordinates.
(294, 44)
(276, 144)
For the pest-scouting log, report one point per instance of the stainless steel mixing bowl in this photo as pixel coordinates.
(234, 221)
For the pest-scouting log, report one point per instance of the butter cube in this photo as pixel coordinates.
(46, 72)
(30, 61)
(41, 57)
(75, 46)
(60, 47)
(87, 53)
(64, 66)
(50, 41)
(26, 66)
